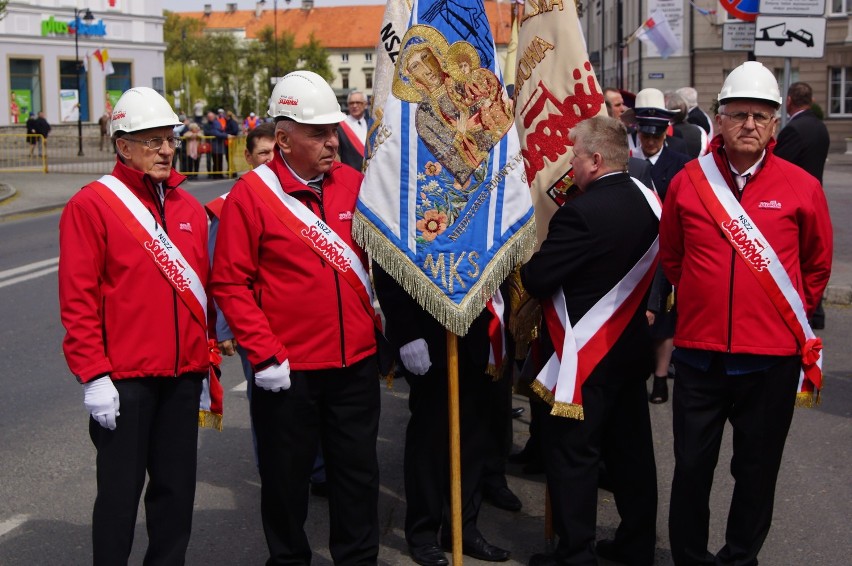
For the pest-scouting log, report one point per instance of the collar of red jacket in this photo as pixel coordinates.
(136, 179)
(289, 183)
(717, 147)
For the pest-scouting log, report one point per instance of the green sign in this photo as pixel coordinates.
(112, 97)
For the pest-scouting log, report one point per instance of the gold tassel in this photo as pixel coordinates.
(808, 399)
(557, 408)
(206, 419)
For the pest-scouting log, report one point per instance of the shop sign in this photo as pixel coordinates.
(52, 26)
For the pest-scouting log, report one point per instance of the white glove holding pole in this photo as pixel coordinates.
(415, 357)
(101, 400)
(274, 378)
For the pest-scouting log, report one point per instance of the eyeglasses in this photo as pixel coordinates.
(157, 143)
(358, 102)
(760, 118)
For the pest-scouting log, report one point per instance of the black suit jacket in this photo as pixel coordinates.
(804, 142)
(640, 169)
(667, 166)
(347, 152)
(592, 242)
(697, 117)
(407, 321)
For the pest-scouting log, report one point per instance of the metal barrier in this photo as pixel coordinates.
(59, 154)
(23, 153)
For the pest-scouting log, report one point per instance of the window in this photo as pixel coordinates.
(368, 78)
(344, 57)
(344, 78)
(368, 57)
(68, 81)
(839, 7)
(122, 77)
(840, 91)
(25, 82)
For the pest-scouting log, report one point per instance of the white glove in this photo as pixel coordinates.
(274, 378)
(101, 400)
(415, 357)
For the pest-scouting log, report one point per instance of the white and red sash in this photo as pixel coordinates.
(496, 335)
(579, 348)
(352, 137)
(175, 268)
(214, 207)
(314, 233)
(754, 249)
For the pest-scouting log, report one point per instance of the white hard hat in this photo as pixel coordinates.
(751, 80)
(141, 108)
(305, 97)
(650, 98)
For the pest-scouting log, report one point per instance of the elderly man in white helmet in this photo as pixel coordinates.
(133, 266)
(746, 238)
(295, 291)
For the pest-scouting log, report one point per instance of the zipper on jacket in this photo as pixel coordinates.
(161, 209)
(339, 299)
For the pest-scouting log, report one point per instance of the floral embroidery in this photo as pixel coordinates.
(432, 224)
(441, 198)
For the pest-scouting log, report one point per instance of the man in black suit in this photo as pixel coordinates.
(594, 240)
(665, 164)
(650, 102)
(696, 115)
(353, 131)
(421, 342)
(804, 142)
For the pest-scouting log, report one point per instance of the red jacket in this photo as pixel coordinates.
(121, 315)
(280, 298)
(720, 305)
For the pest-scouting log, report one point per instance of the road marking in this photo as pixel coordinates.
(242, 386)
(12, 523)
(30, 271)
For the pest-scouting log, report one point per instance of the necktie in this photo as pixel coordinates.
(359, 122)
(316, 186)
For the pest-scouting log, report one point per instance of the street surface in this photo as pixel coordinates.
(47, 468)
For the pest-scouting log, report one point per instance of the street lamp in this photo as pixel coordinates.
(88, 18)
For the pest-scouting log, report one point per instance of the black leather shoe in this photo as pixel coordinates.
(517, 412)
(543, 560)
(480, 549)
(502, 498)
(659, 391)
(609, 550)
(428, 555)
(319, 489)
(525, 456)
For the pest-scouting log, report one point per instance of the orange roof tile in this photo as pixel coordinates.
(335, 27)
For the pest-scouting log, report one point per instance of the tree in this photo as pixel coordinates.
(314, 57)
(3, 5)
(182, 37)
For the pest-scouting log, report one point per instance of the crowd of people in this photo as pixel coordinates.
(153, 286)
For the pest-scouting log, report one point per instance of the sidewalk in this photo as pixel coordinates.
(31, 193)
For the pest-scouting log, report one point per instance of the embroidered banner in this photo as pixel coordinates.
(444, 207)
(555, 88)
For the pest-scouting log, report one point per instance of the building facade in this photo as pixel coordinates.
(37, 50)
(348, 33)
(702, 60)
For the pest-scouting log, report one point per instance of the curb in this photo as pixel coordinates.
(7, 192)
(838, 295)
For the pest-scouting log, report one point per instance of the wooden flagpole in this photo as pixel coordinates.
(455, 445)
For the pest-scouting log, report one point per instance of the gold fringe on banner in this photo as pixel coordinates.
(456, 318)
(206, 419)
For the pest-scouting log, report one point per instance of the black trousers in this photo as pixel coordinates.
(500, 403)
(427, 454)
(616, 424)
(340, 407)
(156, 432)
(759, 406)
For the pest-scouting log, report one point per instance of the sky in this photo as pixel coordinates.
(219, 5)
